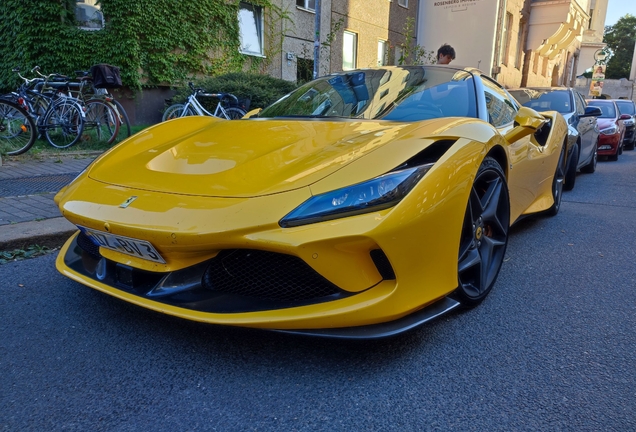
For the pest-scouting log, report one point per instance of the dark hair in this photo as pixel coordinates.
(445, 50)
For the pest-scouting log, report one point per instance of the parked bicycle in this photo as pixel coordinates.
(17, 129)
(58, 117)
(193, 106)
(105, 116)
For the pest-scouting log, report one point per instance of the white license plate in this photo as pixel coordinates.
(129, 246)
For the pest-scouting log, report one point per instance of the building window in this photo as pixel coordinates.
(544, 67)
(404, 3)
(507, 35)
(382, 53)
(349, 50)
(306, 4)
(251, 28)
(89, 15)
(304, 70)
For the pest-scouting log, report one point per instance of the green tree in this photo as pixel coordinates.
(620, 39)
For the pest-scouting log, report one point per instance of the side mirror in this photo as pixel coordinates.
(253, 113)
(592, 111)
(625, 117)
(527, 122)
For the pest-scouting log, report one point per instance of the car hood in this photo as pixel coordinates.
(604, 123)
(209, 157)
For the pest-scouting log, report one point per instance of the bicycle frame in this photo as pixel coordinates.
(194, 104)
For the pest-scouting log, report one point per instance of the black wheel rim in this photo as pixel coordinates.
(484, 234)
(559, 176)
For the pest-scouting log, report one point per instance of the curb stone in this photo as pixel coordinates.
(51, 233)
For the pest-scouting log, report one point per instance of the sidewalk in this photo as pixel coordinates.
(28, 214)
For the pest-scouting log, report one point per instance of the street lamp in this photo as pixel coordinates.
(600, 56)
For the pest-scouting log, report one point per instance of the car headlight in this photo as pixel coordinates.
(628, 122)
(376, 194)
(609, 131)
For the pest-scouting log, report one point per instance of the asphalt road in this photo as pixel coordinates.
(551, 349)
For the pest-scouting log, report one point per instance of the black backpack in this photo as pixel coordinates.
(105, 76)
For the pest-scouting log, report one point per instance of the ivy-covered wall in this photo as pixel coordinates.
(153, 42)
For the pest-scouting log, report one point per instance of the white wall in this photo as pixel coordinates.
(469, 26)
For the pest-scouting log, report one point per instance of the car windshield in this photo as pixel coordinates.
(394, 93)
(544, 100)
(626, 107)
(608, 108)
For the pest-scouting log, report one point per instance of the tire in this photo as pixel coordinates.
(101, 123)
(614, 157)
(234, 113)
(484, 235)
(123, 118)
(591, 166)
(189, 112)
(570, 173)
(557, 185)
(63, 124)
(17, 129)
(172, 112)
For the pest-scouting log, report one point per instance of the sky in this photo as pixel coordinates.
(619, 8)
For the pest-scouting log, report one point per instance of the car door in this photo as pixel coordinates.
(588, 130)
(525, 156)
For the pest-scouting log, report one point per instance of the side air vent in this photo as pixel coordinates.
(383, 265)
(430, 154)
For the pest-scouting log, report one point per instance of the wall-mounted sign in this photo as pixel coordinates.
(455, 4)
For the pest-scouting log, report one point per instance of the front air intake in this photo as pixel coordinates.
(382, 264)
(266, 275)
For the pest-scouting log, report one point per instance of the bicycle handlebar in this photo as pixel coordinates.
(201, 92)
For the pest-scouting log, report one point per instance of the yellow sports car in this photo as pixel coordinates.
(360, 205)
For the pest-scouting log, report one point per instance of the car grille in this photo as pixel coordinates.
(84, 242)
(266, 275)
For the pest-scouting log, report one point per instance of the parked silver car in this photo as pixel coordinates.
(581, 119)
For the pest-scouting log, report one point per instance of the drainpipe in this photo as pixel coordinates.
(501, 16)
(317, 41)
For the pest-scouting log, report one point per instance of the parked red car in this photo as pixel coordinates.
(612, 127)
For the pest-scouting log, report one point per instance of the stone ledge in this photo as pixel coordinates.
(51, 233)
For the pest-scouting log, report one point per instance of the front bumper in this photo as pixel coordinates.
(186, 293)
(630, 134)
(608, 144)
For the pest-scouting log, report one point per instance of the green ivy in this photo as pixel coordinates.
(153, 42)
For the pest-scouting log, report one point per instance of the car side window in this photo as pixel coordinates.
(580, 103)
(501, 109)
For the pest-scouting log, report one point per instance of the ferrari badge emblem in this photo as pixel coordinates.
(128, 202)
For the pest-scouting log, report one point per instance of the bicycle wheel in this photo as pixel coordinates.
(101, 123)
(172, 112)
(189, 111)
(63, 124)
(123, 117)
(17, 129)
(234, 113)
